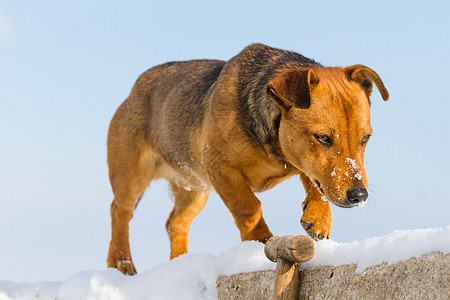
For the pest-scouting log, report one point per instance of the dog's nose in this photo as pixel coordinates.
(356, 196)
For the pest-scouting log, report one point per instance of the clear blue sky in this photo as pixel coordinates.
(65, 66)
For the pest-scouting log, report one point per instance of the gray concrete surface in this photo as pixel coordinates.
(427, 277)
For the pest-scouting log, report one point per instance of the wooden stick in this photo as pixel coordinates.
(288, 251)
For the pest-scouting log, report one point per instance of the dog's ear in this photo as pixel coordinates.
(365, 76)
(293, 88)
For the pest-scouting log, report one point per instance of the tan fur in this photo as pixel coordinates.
(239, 128)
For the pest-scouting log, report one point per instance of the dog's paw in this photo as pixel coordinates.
(124, 265)
(316, 219)
(260, 233)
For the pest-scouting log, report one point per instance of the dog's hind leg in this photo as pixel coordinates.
(131, 165)
(188, 204)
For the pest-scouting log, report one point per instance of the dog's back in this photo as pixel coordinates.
(173, 99)
(169, 102)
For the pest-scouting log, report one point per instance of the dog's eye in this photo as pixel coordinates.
(323, 139)
(365, 139)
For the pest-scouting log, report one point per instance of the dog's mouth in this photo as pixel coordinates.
(319, 186)
(345, 204)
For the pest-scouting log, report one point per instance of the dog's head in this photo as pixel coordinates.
(325, 126)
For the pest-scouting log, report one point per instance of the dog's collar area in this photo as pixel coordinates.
(287, 166)
(275, 152)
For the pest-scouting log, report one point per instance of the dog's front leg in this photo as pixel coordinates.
(316, 219)
(237, 195)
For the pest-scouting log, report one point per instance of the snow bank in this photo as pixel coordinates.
(194, 276)
(397, 246)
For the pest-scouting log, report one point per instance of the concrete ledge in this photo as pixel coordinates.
(426, 277)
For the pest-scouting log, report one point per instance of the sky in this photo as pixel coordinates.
(65, 67)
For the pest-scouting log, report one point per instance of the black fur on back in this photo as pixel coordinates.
(260, 117)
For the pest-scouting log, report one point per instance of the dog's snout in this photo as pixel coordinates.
(356, 196)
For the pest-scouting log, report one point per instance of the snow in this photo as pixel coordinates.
(354, 168)
(397, 246)
(194, 276)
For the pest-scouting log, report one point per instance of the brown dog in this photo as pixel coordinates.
(240, 127)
